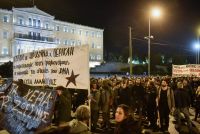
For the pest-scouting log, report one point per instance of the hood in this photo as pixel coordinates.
(77, 126)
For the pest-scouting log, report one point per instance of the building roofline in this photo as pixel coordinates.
(6, 10)
(84, 27)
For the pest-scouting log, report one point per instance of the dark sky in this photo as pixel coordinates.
(175, 30)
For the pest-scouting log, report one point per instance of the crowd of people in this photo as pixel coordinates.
(134, 100)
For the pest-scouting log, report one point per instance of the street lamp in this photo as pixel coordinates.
(155, 12)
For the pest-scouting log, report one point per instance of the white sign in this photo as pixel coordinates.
(66, 66)
(186, 70)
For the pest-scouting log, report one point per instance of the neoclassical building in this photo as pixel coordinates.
(24, 30)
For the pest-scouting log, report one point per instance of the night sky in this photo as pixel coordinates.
(174, 32)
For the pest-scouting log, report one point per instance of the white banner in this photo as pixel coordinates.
(191, 70)
(66, 66)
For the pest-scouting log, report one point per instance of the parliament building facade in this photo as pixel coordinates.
(24, 30)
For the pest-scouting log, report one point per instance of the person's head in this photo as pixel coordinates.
(164, 83)
(138, 81)
(185, 82)
(122, 112)
(59, 90)
(82, 113)
(179, 85)
(93, 86)
(150, 83)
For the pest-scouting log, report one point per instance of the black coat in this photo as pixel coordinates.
(127, 126)
(182, 98)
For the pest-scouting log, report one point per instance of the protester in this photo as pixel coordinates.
(106, 95)
(165, 103)
(197, 103)
(125, 124)
(151, 94)
(79, 125)
(95, 96)
(76, 126)
(138, 95)
(182, 102)
(62, 106)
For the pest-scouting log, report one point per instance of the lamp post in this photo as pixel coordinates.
(155, 12)
(130, 51)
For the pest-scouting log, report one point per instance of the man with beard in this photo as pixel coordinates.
(165, 102)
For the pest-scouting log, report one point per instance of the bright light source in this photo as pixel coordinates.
(156, 12)
(197, 46)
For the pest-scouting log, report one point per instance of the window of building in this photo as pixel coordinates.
(34, 35)
(5, 18)
(5, 51)
(80, 32)
(98, 57)
(38, 35)
(57, 41)
(69, 42)
(39, 23)
(73, 30)
(86, 33)
(92, 34)
(92, 57)
(73, 42)
(29, 21)
(64, 29)
(93, 45)
(99, 35)
(34, 22)
(21, 21)
(46, 26)
(57, 28)
(66, 42)
(29, 34)
(5, 35)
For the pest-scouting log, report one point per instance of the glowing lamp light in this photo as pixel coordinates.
(156, 12)
(197, 46)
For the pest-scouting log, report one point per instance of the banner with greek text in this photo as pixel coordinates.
(66, 66)
(25, 109)
(190, 70)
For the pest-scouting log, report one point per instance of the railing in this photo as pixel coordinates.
(31, 37)
(35, 27)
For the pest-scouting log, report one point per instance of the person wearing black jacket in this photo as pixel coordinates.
(182, 102)
(151, 94)
(138, 94)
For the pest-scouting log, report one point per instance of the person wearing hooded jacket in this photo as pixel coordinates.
(79, 125)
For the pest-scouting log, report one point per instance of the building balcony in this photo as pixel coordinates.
(34, 27)
(33, 38)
